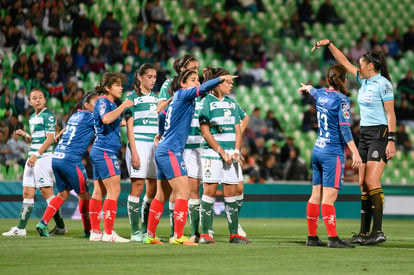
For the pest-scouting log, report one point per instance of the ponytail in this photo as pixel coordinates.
(182, 62)
(379, 62)
(336, 78)
(81, 104)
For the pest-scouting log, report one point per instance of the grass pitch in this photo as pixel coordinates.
(278, 248)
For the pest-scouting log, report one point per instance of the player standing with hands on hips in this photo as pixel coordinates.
(38, 171)
(377, 135)
(328, 157)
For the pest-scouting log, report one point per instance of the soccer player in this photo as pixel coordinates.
(38, 169)
(67, 163)
(141, 120)
(168, 154)
(103, 154)
(220, 127)
(328, 157)
(186, 62)
(377, 135)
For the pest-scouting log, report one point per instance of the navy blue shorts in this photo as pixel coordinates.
(328, 170)
(105, 164)
(70, 175)
(169, 164)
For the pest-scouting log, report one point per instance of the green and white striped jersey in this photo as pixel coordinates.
(164, 95)
(144, 113)
(40, 125)
(222, 116)
(195, 140)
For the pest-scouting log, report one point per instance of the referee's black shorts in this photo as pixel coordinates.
(373, 142)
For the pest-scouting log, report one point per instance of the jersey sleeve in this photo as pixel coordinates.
(128, 111)
(387, 91)
(344, 118)
(204, 116)
(190, 94)
(237, 118)
(104, 107)
(161, 121)
(164, 95)
(242, 113)
(50, 123)
(358, 78)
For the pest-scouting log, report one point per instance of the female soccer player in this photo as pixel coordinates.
(168, 154)
(220, 127)
(377, 135)
(103, 154)
(67, 163)
(38, 170)
(187, 62)
(142, 127)
(328, 157)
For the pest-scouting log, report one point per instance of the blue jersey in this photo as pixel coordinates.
(108, 136)
(334, 121)
(179, 115)
(371, 95)
(78, 135)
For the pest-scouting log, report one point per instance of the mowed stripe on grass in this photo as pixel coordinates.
(278, 247)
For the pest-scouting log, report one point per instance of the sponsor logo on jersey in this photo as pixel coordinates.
(102, 108)
(323, 100)
(345, 110)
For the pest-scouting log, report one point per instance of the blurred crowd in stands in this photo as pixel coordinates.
(98, 45)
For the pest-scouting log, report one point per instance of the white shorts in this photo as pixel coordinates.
(146, 153)
(192, 159)
(217, 171)
(41, 175)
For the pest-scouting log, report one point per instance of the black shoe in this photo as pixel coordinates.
(375, 238)
(314, 241)
(357, 238)
(336, 242)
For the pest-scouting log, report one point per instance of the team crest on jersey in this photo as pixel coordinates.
(387, 89)
(345, 110)
(116, 164)
(183, 167)
(102, 108)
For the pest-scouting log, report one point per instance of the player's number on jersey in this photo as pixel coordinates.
(72, 130)
(322, 123)
(168, 118)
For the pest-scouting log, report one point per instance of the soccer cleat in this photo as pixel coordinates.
(113, 238)
(236, 238)
(375, 238)
(42, 229)
(205, 239)
(95, 237)
(241, 232)
(86, 235)
(314, 241)
(357, 238)
(211, 233)
(336, 242)
(137, 237)
(195, 238)
(182, 241)
(14, 231)
(149, 240)
(58, 231)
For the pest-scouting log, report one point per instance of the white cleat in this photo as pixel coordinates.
(113, 238)
(241, 232)
(14, 231)
(211, 233)
(95, 237)
(137, 237)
